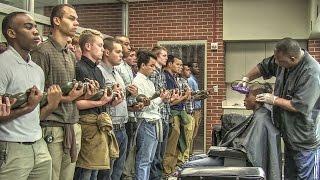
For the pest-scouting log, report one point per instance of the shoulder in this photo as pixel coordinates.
(312, 65)
(5, 64)
(263, 114)
(43, 48)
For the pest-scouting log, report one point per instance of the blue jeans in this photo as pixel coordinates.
(156, 166)
(85, 174)
(302, 164)
(117, 165)
(146, 148)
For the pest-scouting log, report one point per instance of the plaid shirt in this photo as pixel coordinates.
(183, 85)
(159, 80)
(58, 65)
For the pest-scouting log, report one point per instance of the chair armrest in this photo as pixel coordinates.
(226, 152)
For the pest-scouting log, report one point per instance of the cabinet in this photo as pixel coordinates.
(241, 57)
(314, 19)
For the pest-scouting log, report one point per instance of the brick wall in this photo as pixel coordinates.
(177, 20)
(314, 48)
(106, 18)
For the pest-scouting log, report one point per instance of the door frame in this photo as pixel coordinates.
(205, 83)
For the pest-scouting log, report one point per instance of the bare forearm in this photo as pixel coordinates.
(46, 111)
(254, 73)
(17, 113)
(285, 104)
(87, 104)
(66, 99)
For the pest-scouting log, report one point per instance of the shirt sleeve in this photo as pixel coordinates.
(191, 84)
(4, 81)
(307, 93)
(268, 67)
(79, 71)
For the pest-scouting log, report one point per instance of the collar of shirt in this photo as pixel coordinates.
(19, 59)
(193, 77)
(305, 54)
(109, 69)
(88, 61)
(142, 76)
(57, 45)
(171, 75)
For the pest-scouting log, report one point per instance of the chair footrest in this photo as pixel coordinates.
(223, 172)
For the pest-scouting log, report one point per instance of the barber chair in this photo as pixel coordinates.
(228, 121)
(236, 165)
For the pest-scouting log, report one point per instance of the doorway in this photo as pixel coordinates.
(193, 51)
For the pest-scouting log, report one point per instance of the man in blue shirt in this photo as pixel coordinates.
(197, 106)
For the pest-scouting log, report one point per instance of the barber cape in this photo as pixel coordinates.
(259, 139)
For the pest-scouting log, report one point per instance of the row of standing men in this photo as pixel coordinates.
(73, 137)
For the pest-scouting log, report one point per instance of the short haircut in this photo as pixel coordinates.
(75, 40)
(259, 88)
(157, 49)
(288, 46)
(8, 22)
(118, 38)
(132, 49)
(190, 64)
(108, 43)
(143, 56)
(186, 64)
(170, 59)
(57, 11)
(88, 36)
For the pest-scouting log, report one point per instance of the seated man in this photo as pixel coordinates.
(256, 137)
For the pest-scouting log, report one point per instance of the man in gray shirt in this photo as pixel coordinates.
(118, 108)
(296, 105)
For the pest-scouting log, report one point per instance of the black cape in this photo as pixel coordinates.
(260, 140)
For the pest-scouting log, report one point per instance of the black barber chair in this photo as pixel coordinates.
(235, 164)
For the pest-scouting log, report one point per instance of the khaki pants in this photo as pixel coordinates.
(197, 114)
(62, 168)
(188, 129)
(25, 161)
(172, 151)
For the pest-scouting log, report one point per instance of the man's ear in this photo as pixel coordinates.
(11, 33)
(292, 58)
(142, 66)
(106, 52)
(87, 46)
(56, 21)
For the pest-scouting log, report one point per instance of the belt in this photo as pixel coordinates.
(150, 121)
(117, 127)
(26, 143)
